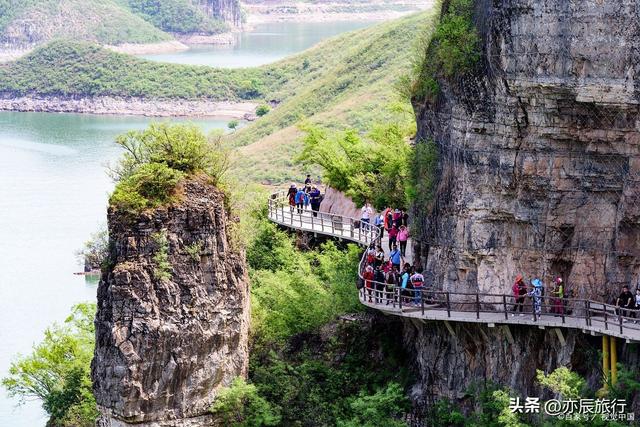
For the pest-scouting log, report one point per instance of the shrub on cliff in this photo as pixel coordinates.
(453, 51)
(158, 158)
(241, 406)
(58, 371)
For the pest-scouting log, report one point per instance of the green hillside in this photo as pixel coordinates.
(34, 22)
(102, 21)
(82, 69)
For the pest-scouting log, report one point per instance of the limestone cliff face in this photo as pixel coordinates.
(539, 151)
(229, 11)
(165, 345)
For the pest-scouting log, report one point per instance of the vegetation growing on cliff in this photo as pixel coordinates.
(57, 372)
(157, 159)
(452, 51)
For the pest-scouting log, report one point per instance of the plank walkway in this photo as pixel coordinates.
(592, 317)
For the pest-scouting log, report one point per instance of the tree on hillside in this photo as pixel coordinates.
(374, 167)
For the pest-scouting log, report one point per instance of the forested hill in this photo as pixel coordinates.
(27, 23)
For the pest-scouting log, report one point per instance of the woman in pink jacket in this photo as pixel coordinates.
(403, 237)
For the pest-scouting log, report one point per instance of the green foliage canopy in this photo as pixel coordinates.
(241, 406)
(374, 168)
(58, 371)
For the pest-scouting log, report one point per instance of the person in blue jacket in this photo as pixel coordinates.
(300, 195)
(536, 294)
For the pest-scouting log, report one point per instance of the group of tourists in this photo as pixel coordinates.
(382, 276)
(394, 221)
(301, 198)
(536, 292)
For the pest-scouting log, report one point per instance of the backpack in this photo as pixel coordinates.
(417, 281)
(360, 283)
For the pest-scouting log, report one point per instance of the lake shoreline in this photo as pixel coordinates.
(129, 106)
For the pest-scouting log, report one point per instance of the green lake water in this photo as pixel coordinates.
(53, 193)
(263, 44)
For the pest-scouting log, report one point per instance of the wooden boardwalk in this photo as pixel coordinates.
(592, 317)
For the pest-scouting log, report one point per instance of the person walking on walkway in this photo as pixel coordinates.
(417, 281)
(393, 278)
(626, 302)
(379, 257)
(307, 201)
(379, 222)
(368, 277)
(291, 195)
(396, 257)
(405, 283)
(519, 290)
(637, 312)
(393, 236)
(299, 199)
(558, 295)
(365, 215)
(536, 294)
(403, 237)
(307, 183)
(315, 198)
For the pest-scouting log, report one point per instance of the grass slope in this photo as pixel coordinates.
(349, 81)
(102, 21)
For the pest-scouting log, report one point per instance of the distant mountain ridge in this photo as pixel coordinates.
(28, 23)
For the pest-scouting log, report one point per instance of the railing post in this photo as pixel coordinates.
(620, 324)
(282, 209)
(421, 301)
(606, 324)
(332, 226)
(313, 227)
(588, 313)
(477, 305)
(504, 304)
(400, 298)
(448, 305)
(351, 227)
(562, 309)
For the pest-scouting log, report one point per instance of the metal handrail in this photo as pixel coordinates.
(587, 314)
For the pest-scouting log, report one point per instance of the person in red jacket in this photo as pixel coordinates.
(519, 290)
(368, 280)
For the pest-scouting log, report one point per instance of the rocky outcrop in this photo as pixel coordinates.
(539, 151)
(173, 313)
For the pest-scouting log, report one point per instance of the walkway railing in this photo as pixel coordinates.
(431, 304)
(324, 223)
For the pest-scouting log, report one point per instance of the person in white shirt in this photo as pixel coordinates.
(365, 216)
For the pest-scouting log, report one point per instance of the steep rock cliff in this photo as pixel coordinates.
(168, 337)
(229, 11)
(539, 151)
